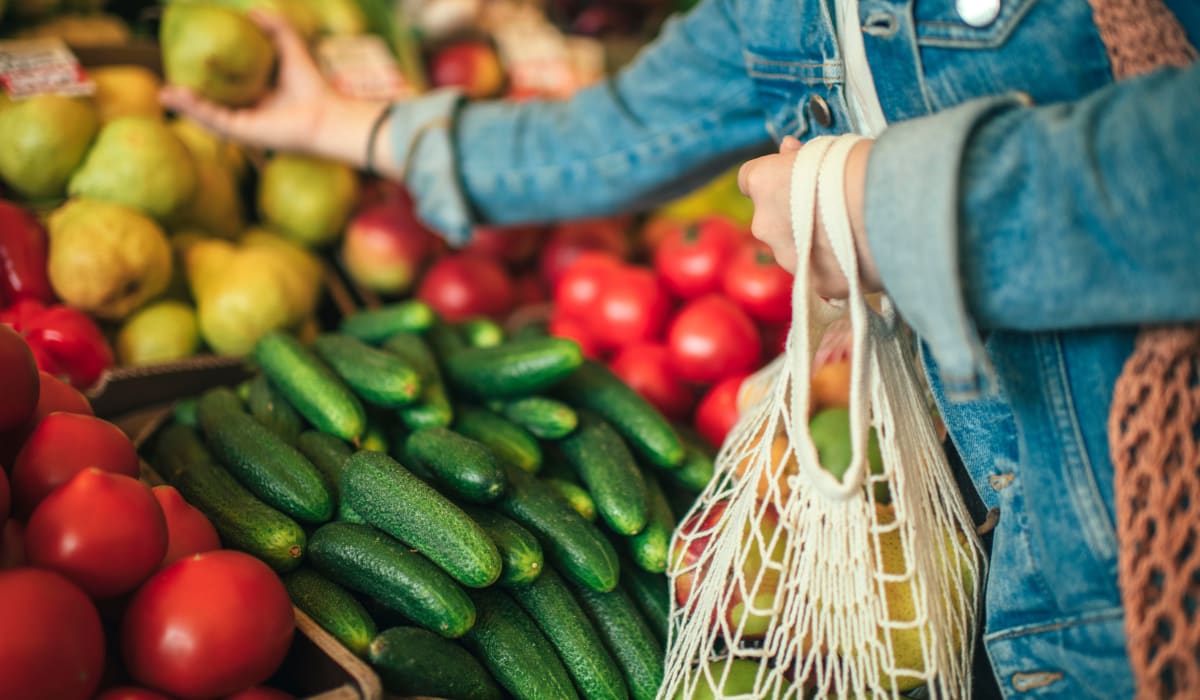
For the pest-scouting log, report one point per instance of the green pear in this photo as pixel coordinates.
(43, 139)
(203, 143)
(240, 305)
(124, 91)
(138, 162)
(217, 52)
(299, 271)
(215, 207)
(105, 258)
(307, 199)
(163, 331)
(830, 431)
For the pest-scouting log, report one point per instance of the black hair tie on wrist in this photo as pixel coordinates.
(369, 167)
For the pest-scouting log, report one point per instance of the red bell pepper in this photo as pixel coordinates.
(23, 245)
(66, 342)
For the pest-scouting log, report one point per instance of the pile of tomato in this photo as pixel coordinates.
(107, 584)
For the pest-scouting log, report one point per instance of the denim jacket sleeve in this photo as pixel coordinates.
(1065, 216)
(684, 110)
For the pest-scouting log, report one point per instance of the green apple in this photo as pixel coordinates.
(830, 431)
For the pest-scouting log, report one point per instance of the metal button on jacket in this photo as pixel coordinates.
(819, 109)
(978, 13)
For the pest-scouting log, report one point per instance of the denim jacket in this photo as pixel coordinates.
(1023, 232)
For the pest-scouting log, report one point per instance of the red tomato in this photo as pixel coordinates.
(757, 284)
(646, 367)
(53, 395)
(188, 530)
(19, 377)
(711, 338)
(208, 625)
(12, 545)
(566, 327)
(461, 286)
(690, 259)
(717, 411)
(580, 284)
(53, 644)
(103, 531)
(512, 244)
(261, 693)
(571, 238)
(62, 445)
(528, 291)
(127, 693)
(632, 307)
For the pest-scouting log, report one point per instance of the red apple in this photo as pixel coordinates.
(461, 286)
(690, 558)
(512, 244)
(385, 247)
(571, 238)
(471, 65)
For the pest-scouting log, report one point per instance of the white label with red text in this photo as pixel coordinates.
(31, 67)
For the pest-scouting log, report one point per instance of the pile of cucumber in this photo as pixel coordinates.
(478, 516)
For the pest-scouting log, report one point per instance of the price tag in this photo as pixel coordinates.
(31, 67)
(362, 67)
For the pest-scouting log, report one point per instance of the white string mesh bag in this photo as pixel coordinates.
(790, 583)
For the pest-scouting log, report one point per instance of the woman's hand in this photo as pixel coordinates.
(767, 182)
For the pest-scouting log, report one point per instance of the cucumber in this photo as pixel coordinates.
(375, 439)
(328, 454)
(396, 501)
(573, 545)
(465, 467)
(558, 615)
(378, 325)
(445, 340)
(268, 407)
(185, 412)
(415, 662)
(346, 514)
(332, 607)
(520, 550)
(651, 594)
(697, 468)
(651, 547)
(482, 332)
(575, 496)
(516, 653)
(543, 417)
(378, 377)
(609, 473)
(310, 386)
(269, 467)
(509, 441)
(628, 637)
(514, 369)
(432, 408)
(594, 386)
(243, 522)
(366, 560)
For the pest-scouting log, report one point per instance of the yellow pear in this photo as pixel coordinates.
(204, 144)
(163, 331)
(206, 261)
(215, 207)
(125, 91)
(240, 305)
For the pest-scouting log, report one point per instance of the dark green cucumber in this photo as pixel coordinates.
(376, 438)
(628, 637)
(651, 593)
(508, 440)
(346, 514)
(432, 408)
(697, 468)
(378, 377)
(514, 369)
(575, 495)
(332, 607)
(310, 386)
(445, 340)
(413, 662)
(594, 386)
(515, 651)
(243, 522)
(558, 615)
(328, 454)
(270, 468)
(185, 412)
(609, 472)
(544, 417)
(465, 467)
(396, 501)
(272, 410)
(520, 550)
(573, 545)
(366, 560)
(377, 325)
(651, 547)
(482, 332)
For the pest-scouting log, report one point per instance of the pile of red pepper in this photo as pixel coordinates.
(66, 342)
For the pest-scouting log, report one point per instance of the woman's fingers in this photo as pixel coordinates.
(184, 101)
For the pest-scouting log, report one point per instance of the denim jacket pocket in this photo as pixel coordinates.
(938, 24)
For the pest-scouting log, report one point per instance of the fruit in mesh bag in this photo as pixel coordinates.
(729, 678)
(759, 573)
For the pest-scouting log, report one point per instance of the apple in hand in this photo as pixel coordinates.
(699, 532)
(470, 65)
(385, 247)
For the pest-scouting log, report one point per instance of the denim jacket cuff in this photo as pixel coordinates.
(423, 143)
(912, 195)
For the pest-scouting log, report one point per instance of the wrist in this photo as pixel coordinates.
(342, 130)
